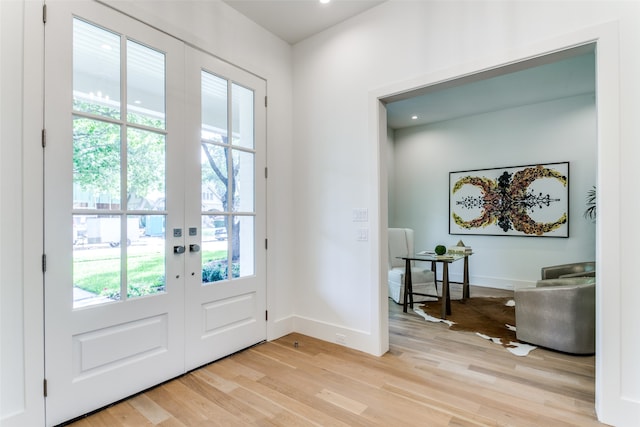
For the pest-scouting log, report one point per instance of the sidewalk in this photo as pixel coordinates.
(82, 298)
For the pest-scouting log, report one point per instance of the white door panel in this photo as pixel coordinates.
(225, 312)
(154, 208)
(106, 344)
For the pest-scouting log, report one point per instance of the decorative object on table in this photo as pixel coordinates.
(492, 319)
(460, 248)
(530, 200)
(440, 250)
(401, 245)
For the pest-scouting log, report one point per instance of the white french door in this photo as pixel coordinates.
(226, 300)
(153, 208)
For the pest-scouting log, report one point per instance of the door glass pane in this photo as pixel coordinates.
(214, 178)
(214, 108)
(145, 255)
(127, 256)
(242, 115)
(215, 248)
(145, 86)
(243, 241)
(243, 179)
(96, 70)
(145, 170)
(228, 181)
(96, 259)
(96, 164)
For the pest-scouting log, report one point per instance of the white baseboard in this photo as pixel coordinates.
(280, 327)
(495, 282)
(352, 338)
(362, 340)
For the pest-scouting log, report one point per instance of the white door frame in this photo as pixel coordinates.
(611, 404)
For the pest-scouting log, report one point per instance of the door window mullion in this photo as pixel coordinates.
(231, 182)
(123, 170)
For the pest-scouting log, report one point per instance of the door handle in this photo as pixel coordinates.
(178, 249)
(194, 248)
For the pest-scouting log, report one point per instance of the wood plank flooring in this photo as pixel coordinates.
(430, 377)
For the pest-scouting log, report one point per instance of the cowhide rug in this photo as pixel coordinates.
(490, 318)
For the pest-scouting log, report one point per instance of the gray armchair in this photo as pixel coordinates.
(577, 269)
(559, 313)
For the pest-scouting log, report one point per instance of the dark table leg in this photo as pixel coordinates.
(408, 286)
(435, 275)
(465, 279)
(446, 299)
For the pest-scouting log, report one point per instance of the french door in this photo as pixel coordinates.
(153, 208)
(226, 119)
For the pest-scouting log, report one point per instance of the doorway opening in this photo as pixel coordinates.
(413, 116)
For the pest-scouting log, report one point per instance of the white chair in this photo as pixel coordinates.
(423, 279)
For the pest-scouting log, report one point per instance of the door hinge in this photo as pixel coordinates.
(44, 138)
(265, 101)
(44, 13)
(44, 263)
(266, 244)
(266, 315)
(266, 172)
(44, 387)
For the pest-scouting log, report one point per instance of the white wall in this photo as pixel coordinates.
(11, 314)
(336, 75)
(212, 26)
(554, 131)
(21, 329)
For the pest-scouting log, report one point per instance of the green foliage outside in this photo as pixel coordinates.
(97, 155)
(145, 272)
(97, 163)
(215, 271)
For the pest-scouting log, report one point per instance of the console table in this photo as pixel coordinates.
(434, 259)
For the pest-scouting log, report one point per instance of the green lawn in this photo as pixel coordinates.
(99, 272)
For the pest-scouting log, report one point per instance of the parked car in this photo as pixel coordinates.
(220, 233)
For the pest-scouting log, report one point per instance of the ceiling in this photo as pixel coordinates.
(295, 20)
(555, 76)
(561, 75)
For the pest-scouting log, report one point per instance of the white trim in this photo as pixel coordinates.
(330, 332)
(611, 406)
(27, 21)
(379, 220)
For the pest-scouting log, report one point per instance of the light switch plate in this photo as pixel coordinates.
(363, 235)
(360, 215)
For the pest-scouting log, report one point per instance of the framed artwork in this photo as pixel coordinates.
(530, 200)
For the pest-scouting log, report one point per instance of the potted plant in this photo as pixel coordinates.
(591, 199)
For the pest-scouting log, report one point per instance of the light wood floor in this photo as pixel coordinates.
(430, 377)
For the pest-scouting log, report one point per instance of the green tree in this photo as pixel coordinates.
(97, 155)
(97, 161)
(224, 185)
